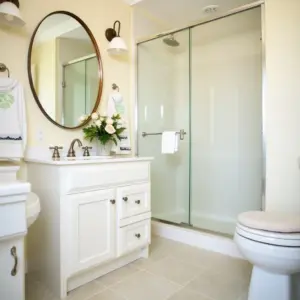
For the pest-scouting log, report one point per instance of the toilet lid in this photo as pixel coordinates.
(271, 221)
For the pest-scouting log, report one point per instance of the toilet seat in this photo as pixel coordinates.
(269, 237)
(271, 228)
(271, 221)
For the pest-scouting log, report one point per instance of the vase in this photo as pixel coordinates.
(104, 150)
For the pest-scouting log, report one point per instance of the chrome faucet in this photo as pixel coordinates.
(71, 152)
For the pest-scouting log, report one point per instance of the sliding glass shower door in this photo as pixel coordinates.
(206, 80)
(163, 93)
(226, 120)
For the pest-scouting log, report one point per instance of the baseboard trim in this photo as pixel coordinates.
(196, 238)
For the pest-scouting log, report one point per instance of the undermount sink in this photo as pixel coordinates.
(33, 208)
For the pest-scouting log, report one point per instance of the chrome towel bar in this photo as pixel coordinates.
(182, 133)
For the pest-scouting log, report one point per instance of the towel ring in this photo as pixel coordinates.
(4, 68)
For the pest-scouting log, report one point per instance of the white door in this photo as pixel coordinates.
(92, 228)
(12, 269)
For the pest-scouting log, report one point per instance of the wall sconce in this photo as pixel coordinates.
(10, 14)
(117, 44)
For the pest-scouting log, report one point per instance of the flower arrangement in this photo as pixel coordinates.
(104, 129)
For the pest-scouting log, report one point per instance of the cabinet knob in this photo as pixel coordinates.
(138, 235)
(13, 252)
(113, 201)
(138, 201)
(125, 199)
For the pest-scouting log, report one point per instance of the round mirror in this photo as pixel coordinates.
(65, 69)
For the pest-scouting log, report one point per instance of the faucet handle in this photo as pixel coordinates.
(55, 155)
(86, 151)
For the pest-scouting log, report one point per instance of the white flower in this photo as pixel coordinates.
(109, 121)
(102, 118)
(98, 123)
(83, 118)
(110, 129)
(95, 116)
(116, 115)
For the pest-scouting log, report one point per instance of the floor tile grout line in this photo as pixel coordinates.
(119, 281)
(104, 289)
(161, 276)
(177, 291)
(197, 292)
(122, 296)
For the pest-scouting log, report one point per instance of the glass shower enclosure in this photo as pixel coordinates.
(207, 81)
(80, 88)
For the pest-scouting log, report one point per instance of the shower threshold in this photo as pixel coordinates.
(192, 227)
(199, 238)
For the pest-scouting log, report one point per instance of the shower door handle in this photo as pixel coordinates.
(182, 133)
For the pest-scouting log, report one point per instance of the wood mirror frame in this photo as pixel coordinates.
(100, 68)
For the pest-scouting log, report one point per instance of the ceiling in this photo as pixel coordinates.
(172, 14)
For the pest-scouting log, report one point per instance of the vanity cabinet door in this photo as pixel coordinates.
(12, 269)
(93, 229)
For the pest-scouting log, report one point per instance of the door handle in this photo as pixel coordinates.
(182, 133)
(113, 201)
(125, 199)
(13, 252)
(138, 201)
(138, 236)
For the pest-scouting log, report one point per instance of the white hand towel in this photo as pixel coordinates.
(169, 142)
(13, 129)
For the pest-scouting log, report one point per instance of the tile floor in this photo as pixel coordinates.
(174, 271)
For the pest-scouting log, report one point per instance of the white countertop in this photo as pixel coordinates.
(86, 160)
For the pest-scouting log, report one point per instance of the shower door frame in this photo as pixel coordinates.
(240, 9)
(63, 83)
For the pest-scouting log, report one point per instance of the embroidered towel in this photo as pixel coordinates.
(12, 119)
(169, 142)
(116, 105)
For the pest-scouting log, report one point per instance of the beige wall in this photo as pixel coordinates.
(98, 15)
(282, 105)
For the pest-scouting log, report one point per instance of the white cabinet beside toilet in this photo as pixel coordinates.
(13, 228)
(95, 218)
(12, 269)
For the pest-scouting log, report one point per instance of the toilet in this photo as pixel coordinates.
(270, 241)
(8, 173)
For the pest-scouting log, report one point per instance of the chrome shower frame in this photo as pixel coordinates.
(259, 3)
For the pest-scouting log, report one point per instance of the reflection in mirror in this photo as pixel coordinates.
(64, 69)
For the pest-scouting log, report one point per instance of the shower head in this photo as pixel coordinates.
(170, 41)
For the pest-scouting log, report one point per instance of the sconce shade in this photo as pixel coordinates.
(10, 14)
(117, 45)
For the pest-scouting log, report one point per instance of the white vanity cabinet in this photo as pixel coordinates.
(95, 218)
(92, 228)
